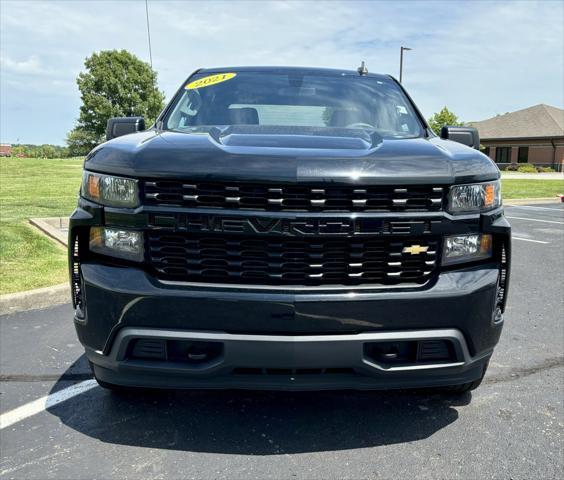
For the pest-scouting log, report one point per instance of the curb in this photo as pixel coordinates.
(48, 227)
(35, 299)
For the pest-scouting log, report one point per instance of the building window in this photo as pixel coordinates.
(523, 155)
(503, 154)
(486, 151)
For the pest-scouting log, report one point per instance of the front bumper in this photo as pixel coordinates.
(292, 331)
(275, 362)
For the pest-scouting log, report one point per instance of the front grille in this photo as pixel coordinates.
(293, 197)
(222, 258)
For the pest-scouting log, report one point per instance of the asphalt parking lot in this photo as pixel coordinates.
(511, 427)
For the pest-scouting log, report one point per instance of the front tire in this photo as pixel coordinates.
(463, 388)
(108, 386)
(466, 387)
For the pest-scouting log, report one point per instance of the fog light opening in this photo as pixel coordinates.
(411, 352)
(197, 352)
(391, 353)
(193, 352)
(182, 351)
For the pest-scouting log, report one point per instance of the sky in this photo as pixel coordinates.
(480, 58)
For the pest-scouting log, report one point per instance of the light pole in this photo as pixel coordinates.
(149, 33)
(401, 60)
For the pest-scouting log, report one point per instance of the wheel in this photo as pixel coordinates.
(108, 386)
(112, 387)
(463, 388)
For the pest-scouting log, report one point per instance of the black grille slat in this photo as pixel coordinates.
(293, 197)
(149, 348)
(288, 261)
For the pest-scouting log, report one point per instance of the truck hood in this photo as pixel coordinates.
(291, 155)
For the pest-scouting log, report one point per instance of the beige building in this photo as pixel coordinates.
(532, 135)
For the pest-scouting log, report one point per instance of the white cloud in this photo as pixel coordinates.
(31, 65)
(479, 58)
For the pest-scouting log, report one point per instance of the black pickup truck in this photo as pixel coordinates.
(289, 228)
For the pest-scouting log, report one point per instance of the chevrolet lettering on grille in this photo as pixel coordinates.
(289, 226)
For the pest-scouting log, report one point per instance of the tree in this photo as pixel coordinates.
(442, 118)
(39, 151)
(115, 84)
(18, 151)
(47, 151)
(80, 142)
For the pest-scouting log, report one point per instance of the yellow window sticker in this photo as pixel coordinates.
(208, 81)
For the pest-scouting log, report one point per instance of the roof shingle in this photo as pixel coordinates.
(538, 121)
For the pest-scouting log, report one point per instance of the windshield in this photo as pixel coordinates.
(274, 99)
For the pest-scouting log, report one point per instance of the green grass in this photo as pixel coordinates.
(520, 188)
(34, 188)
(48, 188)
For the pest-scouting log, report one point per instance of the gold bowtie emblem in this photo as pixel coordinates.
(415, 249)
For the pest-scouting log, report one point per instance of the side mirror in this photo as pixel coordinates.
(124, 125)
(468, 136)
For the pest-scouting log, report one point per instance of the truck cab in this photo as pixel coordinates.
(289, 228)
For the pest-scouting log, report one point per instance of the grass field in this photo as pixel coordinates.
(33, 188)
(48, 188)
(519, 188)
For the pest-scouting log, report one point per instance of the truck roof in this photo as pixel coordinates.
(288, 70)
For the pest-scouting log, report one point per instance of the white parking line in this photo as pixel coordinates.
(557, 209)
(536, 220)
(529, 240)
(32, 408)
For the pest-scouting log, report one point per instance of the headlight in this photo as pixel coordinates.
(109, 190)
(474, 198)
(117, 242)
(466, 248)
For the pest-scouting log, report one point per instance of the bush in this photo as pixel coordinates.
(545, 169)
(512, 167)
(39, 151)
(527, 168)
